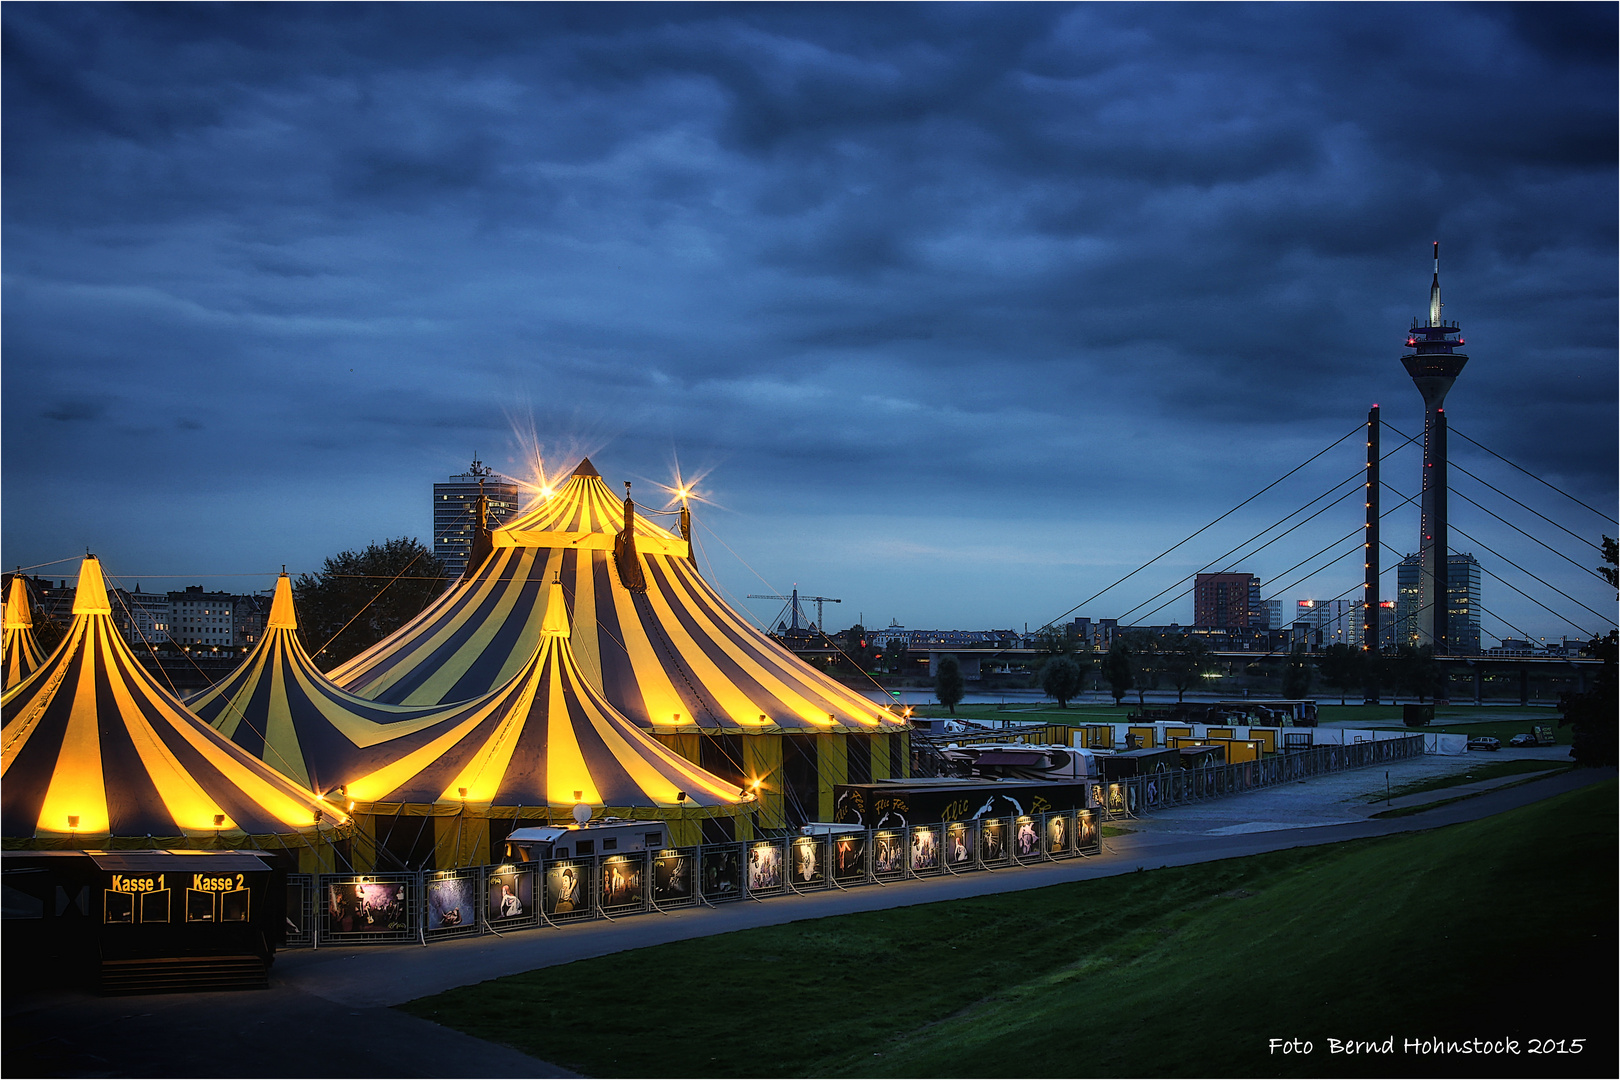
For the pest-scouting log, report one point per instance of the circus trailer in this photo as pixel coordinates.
(1129, 763)
(144, 921)
(605, 836)
(922, 801)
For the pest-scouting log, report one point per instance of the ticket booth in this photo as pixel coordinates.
(148, 921)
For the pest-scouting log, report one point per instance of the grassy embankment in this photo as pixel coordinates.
(1490, 929)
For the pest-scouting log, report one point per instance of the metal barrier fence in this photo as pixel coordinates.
(429, 906)
(433, 905)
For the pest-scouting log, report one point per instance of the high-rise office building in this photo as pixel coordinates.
(1461, 620)
(455, 512)
(1228, 600)
(1338, 622)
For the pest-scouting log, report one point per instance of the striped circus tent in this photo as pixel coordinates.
(94, 751)
(282, 709)
(20, 655)
(663, 646)
(539, 745)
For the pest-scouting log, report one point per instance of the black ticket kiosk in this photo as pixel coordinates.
(147, 921)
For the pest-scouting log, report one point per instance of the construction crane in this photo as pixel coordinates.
(793, 607)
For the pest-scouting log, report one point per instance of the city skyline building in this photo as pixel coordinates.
(1229, 600)
(1338, 622)
(455, 513)
(1434, 365)
(1462, 609)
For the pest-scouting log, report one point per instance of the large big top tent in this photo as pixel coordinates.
(94, 751)
(661, 644)
(529, 750)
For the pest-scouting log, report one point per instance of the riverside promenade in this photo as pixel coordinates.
(327, 1011)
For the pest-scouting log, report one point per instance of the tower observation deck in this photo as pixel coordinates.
(1434, 364)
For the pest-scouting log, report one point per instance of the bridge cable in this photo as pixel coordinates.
(1331, 446)
(1538, 479)
(1327, 506)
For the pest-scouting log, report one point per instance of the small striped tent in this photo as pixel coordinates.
(282, 709)
(20, 655)
(541, 744)
(96, 753)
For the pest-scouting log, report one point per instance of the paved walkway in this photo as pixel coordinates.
(327, 1012)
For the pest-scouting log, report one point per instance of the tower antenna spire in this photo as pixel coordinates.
(1434, 290)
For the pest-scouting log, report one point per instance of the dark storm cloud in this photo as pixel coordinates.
(1006, 251)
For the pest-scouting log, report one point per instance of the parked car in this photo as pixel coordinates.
(1484, 742)
(1524, 739)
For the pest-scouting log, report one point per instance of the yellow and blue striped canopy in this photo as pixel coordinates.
(547, 738)
(283, 709)
(673, 657)
(93, 747)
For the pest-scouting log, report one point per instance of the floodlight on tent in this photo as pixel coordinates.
(219, 821)
(680, 796)
(73, 821)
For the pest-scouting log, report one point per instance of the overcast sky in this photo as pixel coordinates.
(962, 311)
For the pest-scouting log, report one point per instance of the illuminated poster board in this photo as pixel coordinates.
(624, 881)
(722, 872)
(510, 896)
(809, 856)
(888, 853)
(1087, 825)
(567, 888)
(452, 902)
(849, 857)
(925, 841)
(367, 906)
(959, 845)
(672, 877)
(993, 840)
(1026, 838)
(1059, 833)
(766, 872)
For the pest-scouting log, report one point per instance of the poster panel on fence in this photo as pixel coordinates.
(566, 887)
(623, 881)
(888, 852)
(1026, 838)
(452, 902)
(1058, 829)
(849, 857)
(672, 877)
(722, 872)
(765, 871)
(993, 840)
(1087, 826)
(959, 845)
(924, 848)
(511, 895)
(809, 861)
(367, 907)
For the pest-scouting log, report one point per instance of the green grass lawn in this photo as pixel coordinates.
(1488, 929)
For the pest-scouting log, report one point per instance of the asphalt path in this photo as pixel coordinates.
(328, 1011)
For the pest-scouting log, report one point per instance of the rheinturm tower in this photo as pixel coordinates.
(1434, 365)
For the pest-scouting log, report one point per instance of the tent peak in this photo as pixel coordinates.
(282, 613)
(17, 614)
(90, 598)
(585, 468)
